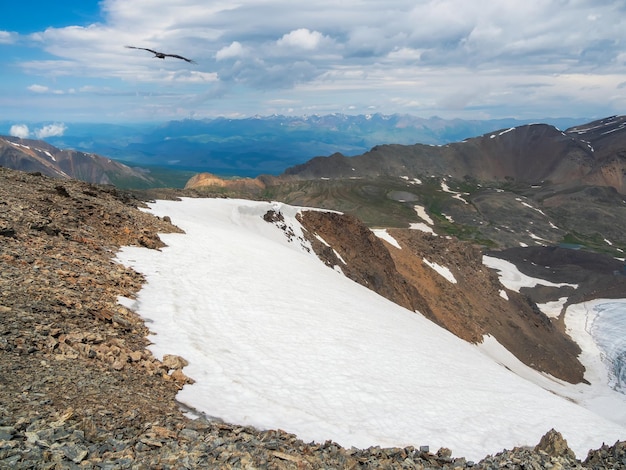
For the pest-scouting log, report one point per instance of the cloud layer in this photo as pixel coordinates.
(50, 130)
(448, 57)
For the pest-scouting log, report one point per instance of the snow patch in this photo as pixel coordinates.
(383, 234)
(442, 270)
(457, 195)
(513, 279)
(553, 309)
(412, 181)
(422, 214)
(422, 227)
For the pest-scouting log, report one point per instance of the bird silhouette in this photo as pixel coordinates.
(162, 55)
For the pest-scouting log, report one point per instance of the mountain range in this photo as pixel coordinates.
(589, 154)
(264, 144)
(530, 185)
(39, 156)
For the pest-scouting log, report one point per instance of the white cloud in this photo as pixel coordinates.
(19, 130)
(301, 38)
(38, 88)
(44, 89)
(6, 37)
(50, 130)
(191, 77)
(356, 54)
(233, 50)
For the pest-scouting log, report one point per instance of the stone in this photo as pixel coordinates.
(135, 356)
(172, 361)
(444, 452)
(162, 432)
(75, 453)
(179, 377)
(6, 433)
(553, 443)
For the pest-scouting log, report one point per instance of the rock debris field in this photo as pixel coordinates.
(79, 389)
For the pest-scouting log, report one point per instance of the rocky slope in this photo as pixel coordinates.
(593, 154)
(79, 389)
(38, 156)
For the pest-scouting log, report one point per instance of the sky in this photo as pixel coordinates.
(313, 353)
(480, 59)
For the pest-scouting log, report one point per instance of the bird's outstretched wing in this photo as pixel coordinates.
(162, 55)
(143, 49)
(180, 57)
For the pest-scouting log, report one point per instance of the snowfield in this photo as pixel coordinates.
(275, 339)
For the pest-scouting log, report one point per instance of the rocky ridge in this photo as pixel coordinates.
(592, 154)
(79, 389)
(39, 156)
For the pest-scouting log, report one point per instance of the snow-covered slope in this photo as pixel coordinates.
(275, 339)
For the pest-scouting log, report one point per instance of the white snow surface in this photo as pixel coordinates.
(422, 214)
(275, 339)
(442, 270)
(605, 323)
(421, 226)
(513, 279)
(553, 309)
(599, 328)
(457, 195)
(383, 234)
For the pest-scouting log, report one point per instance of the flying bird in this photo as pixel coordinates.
(162, 55)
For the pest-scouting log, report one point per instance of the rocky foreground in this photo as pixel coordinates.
(79, 389)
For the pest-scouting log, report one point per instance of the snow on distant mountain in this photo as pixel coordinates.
(267, 144)
(592, 154)
(39, 156)
(276, 339)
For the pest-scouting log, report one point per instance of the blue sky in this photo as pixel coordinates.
(66, 61)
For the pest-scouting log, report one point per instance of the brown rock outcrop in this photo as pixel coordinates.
(360, 255)
(208, 180)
